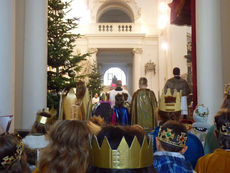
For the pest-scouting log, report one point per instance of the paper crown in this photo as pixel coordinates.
(124, 157)
(225, 129)
(10, 159)
(169, 137)
(43, 119)
(227, 89)
(169, 102)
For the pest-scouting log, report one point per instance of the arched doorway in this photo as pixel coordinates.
(110, 60)
(114, 72)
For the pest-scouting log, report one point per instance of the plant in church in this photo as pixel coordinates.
(95, 81)
(62, 62)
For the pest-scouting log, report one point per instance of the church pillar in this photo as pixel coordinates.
(7, 57)
(35, 60)
(137, 53)
(129, 78)
(209, 64)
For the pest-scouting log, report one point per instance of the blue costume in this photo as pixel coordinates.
(171, 162)
(121, 116)
(195, 148)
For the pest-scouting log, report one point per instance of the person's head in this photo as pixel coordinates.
(69, 140)
(104, 96)
(176, 71)
(222, 123)
(172, 137)
(125, 96)
(80, 89)
(96, 95)
(115, 134)
(143, 82)
(12, 157)
(97, 120)
(42, 123)
(119, 83)
(164, 116)
(226, 102)
(119, 100)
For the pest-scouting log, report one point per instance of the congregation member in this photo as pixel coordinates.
(171, 145)
(95, 99)
(200, 126)
(103, 108)
(12, 156)
(170, 109)
(144, 106)
(219, 160)
(68, 150)
(121, 115)
(122, 150)
(180, 85)
(76, 103)
(117, 90)
(37, 138)
(211, 142)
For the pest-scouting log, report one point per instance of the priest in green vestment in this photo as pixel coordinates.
(143, 107)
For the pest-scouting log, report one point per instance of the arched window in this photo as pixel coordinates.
(115, 12)
(115, 16)
(114, 71)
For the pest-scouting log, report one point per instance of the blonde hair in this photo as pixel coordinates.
(68, 150)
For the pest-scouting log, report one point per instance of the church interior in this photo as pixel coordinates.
(116, 47)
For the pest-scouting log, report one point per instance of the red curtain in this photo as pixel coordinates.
(194, 70)
(180, 12)
(183, 12)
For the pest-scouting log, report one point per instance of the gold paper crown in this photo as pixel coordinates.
(227, 89)
(10, 159)
(43, 119)
(124, 157)
(225, 129)
(169, 102)
(169, 137)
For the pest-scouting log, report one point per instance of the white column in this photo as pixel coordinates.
(209, 61)
(129, 78)
(35, 60)
(7, 57)
(137, 52)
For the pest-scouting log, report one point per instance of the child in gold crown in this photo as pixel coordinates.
(170, 109)
(171, 146)
(219, 160)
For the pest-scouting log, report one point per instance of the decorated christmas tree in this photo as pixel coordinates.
(62, 62)
(95, 81)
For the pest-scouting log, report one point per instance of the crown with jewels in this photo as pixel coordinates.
(170, 102)
(10, 159)
(168, 136)
(227, 89)
(43, 119)
(124, 157)
(225, 129)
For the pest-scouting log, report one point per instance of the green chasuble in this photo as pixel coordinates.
(143, 109)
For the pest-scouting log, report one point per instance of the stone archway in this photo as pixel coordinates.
(119, 58)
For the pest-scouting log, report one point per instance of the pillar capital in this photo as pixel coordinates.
(137, 51)
(93, 50)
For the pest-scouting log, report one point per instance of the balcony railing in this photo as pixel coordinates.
(115, 27)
